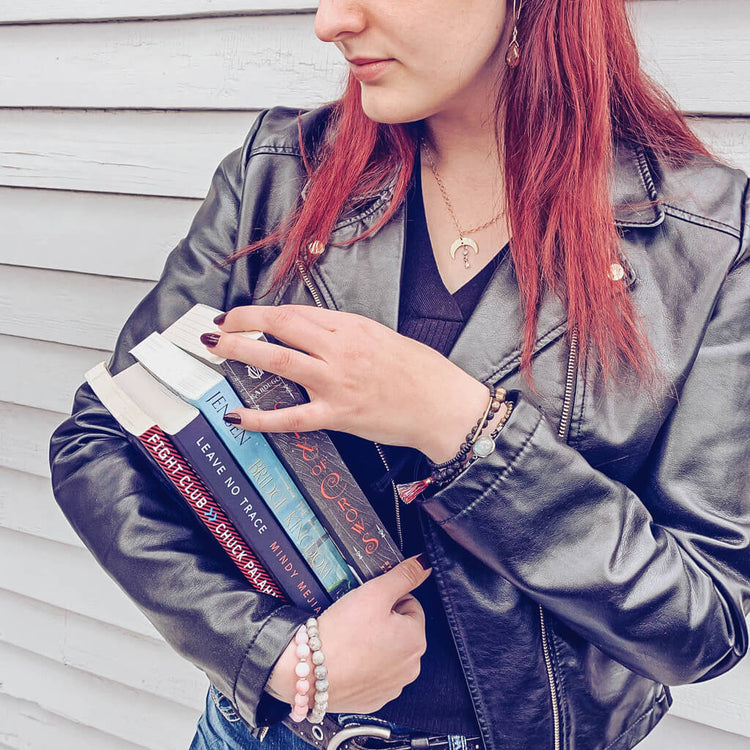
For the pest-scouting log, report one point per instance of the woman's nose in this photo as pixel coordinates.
(336, 20)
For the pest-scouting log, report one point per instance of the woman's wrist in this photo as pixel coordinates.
(282, 679)
(300, 676)
(443, 437)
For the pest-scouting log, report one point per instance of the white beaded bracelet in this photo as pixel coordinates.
(321, 673)
(308, 649)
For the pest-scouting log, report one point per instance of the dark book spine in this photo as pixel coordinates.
(250, 515)
(321, 474)
(181, 477)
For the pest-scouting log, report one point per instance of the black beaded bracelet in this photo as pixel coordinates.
(471, 449)
(497, 399)
(482, 448)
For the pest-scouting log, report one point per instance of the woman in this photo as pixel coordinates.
(595, 548)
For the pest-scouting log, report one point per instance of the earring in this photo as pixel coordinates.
(513, 55)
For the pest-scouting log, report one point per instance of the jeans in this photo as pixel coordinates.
(220, 728)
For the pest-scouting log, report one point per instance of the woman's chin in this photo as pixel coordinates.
(389, 109)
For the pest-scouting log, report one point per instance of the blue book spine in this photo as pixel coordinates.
(212, 462)
(276, 487)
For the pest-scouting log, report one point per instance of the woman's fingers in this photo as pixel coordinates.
(303, 418)
(306, 328)
(297, 366)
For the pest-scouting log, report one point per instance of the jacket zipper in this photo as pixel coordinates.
(562, 432)
(396, 505)
(565, 418)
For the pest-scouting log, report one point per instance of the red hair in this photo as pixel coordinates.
(577, 89)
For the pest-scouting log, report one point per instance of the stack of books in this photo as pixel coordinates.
(283, 506)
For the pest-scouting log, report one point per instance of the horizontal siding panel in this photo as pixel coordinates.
(723, 702)
(142, 153)
(26, 11)
(27, 505)
(68, 578)
(699, 51)
(258, 61)
(87, 310)
(134, 716)
(111, 235)
(102, 650)
(673, 733)
(729, 138)
(212, 63)
(24, 725)
(24, 438)
(44, 375)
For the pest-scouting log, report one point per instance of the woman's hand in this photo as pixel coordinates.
(362, 378)
(373, 639)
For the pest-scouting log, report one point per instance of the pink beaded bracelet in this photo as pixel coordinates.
(300, 707)
(309, 652)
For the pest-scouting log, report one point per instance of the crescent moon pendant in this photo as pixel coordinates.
(463, 242)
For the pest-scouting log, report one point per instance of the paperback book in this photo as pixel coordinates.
(321, 474)
(158, 447)
(211, 394)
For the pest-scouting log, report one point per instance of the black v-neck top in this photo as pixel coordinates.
(438, 700)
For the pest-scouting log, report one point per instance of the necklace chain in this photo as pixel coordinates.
(447, 200)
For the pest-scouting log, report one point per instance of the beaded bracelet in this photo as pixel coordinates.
(308, 649)
(482, 448)
(321, 673)
(497, 399)
(471, 449)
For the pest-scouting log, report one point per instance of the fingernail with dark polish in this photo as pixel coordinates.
(232, 418)
(210, 339)
(424, 561)
(219, 319)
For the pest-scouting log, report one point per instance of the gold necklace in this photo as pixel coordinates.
(464, 242)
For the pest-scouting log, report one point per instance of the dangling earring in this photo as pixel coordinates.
(513, 55)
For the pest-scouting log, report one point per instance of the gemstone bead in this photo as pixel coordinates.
(315, 643)
(317, 657)
(321, 685)
(321, 697)
(297, 718)
(302, 651)
(513, 57)
(302, 687)
(301, 635)
(311, 623)
(484, 446)
(301, 701)
(303, 669)
(321, 672)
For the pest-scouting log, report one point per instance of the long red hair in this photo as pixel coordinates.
(578, 88)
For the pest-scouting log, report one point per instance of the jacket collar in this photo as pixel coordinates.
(364, 277)
(634, 194)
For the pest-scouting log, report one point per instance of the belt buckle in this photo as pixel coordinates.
(361, 730)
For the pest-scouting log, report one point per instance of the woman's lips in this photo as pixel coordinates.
(366, 70)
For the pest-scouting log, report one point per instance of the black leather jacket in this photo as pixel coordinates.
(578, 578)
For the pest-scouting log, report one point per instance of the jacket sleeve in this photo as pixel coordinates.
(149, 543)
(659, 580)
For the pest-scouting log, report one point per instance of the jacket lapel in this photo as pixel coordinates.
(364, 277)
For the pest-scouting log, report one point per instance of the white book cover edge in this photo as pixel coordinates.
(186, 332)
(184, 374)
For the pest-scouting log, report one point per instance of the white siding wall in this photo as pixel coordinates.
(110, 130)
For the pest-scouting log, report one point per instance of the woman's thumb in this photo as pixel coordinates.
(402, 579)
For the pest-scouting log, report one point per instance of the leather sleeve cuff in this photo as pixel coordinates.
(262, 653)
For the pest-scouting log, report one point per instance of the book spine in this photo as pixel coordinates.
(273, 483)
(321, 473)
(182, 478)
(244, 507)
